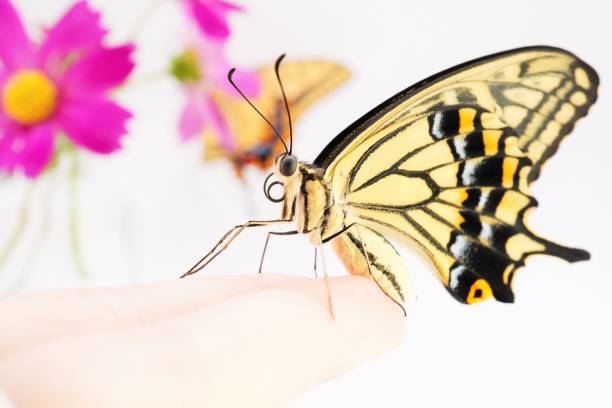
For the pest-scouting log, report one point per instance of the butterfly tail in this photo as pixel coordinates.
(569, 254)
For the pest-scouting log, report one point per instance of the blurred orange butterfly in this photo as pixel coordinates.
(305, 83)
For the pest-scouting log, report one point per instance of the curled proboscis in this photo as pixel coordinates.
(268, 188)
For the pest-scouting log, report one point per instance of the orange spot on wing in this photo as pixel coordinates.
(466, 120)
(508, 170)
(479, 291)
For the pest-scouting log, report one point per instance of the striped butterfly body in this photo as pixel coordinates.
(445, 166)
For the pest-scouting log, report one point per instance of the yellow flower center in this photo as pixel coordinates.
(186, 68)
(29, 97)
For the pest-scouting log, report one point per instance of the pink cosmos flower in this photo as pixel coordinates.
(59, 86)
(211, 16)
(202, 70)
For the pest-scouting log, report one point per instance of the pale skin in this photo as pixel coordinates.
(253, 340)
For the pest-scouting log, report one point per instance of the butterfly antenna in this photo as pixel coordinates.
(280, 83)
(231, 81)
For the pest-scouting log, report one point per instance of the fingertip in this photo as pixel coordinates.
(332, 335)
(367, 323)
(357, 316)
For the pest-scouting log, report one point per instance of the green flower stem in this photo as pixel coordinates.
(73, 216)
(35, 248)
(19, 228)
(137, 82)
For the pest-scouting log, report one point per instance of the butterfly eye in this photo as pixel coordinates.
(287, 165)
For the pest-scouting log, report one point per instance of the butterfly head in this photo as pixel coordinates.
(285, 170)
(286, 164)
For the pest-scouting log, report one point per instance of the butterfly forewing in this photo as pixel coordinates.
(538, 91)
(447, 164)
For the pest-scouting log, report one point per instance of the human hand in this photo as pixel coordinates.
(256, 341)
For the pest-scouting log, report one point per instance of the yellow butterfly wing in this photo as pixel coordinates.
(305, 83)
(446, 165)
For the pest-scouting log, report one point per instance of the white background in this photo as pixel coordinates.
(149, 211)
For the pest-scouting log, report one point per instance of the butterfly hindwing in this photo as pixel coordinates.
(366, 253)
(461, 194)
(444, 165)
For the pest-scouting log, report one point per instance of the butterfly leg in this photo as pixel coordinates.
(225, 241)
(263, 253)
(326, 280)
(315, 265)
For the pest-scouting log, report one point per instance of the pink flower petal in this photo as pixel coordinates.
(217, 67)
(3, 77)
(211, 16)
(230, 6)
(247, 81)
(215, 117)
(94, 123)
(16, 50)
(193, 118)
(78, 30)
(100, 70)
(3, 119)
(4, 123)
(29, 150)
